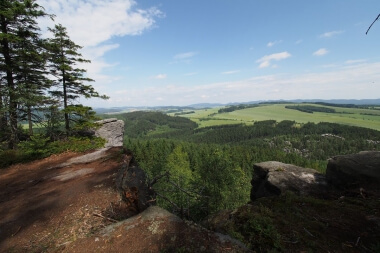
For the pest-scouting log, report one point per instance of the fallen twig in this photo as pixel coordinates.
(16, 231)
(357, 242)
(295, 242)
(307, 231)
(104, 217)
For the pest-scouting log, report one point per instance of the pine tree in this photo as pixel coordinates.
(15, 16)
(64, 57)
(31, 72)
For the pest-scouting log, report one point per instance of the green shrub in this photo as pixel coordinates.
(9, 157)
(37, 146)
(77, 144)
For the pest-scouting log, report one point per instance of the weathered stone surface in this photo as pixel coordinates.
(87, 158)
(133, 187)
(361, 170)
(157, 230)
(274, 178)
(112, 130)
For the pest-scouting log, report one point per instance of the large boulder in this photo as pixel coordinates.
(355, 170)
(274, 178)
(112, 130)
(157, 230)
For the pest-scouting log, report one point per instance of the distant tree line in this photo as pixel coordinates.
(236, 107)
(310, 108)
(183, 113)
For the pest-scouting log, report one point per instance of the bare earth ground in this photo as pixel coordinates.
(42, 207)
(45, 207)
(50, 206)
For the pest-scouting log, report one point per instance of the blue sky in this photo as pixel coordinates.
(181, 52)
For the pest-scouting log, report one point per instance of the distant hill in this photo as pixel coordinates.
(213, 105)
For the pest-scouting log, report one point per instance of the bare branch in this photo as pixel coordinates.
(182, 190)
(171, 202)
(155, 180)
(373, 23)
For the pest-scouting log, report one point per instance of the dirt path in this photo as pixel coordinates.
(45, 206)
(51, 206)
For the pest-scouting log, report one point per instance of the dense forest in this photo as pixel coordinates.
(213, 165)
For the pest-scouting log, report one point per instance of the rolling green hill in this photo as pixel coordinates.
(361, 117)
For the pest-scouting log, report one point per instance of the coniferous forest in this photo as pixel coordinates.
(213, 165)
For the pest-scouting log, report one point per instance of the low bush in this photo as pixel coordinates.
(39, 146)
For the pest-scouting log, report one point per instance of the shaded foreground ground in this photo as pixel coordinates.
(290, 223)
(47, 207)
(44, 207)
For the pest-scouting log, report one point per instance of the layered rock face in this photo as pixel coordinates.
(355, 170)
(112, 130)
(133, 187)
(274, 178)
(347, 172)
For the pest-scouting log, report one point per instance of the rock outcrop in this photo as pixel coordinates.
(157, 230)
(112, 130)
(133, 187)
(274, 178)
(355, 170)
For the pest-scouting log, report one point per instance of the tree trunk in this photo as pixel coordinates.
(10, 85)
(67, 120)
(29, 112)
(3, 118)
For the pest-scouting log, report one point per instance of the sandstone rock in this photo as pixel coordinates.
(362, 170)
(274, 178)
(112, 130)
(133, 187)
(157, 230)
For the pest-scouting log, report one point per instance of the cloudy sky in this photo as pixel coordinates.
(171, 52)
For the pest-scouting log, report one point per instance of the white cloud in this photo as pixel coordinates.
(320, 52)
(160, 76)
(183, 56)
(230, 72)
(350, 82)
(330, 34)
(272, 43)
(90, 23)
(355, 61)
(299, 42)
(265, 61)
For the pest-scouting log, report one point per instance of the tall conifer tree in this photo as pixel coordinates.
(15, 16)
(64, 57)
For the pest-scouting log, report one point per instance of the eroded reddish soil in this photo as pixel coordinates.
(48, 207)
(45, 207)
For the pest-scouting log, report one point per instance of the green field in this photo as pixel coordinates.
(368, 118)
